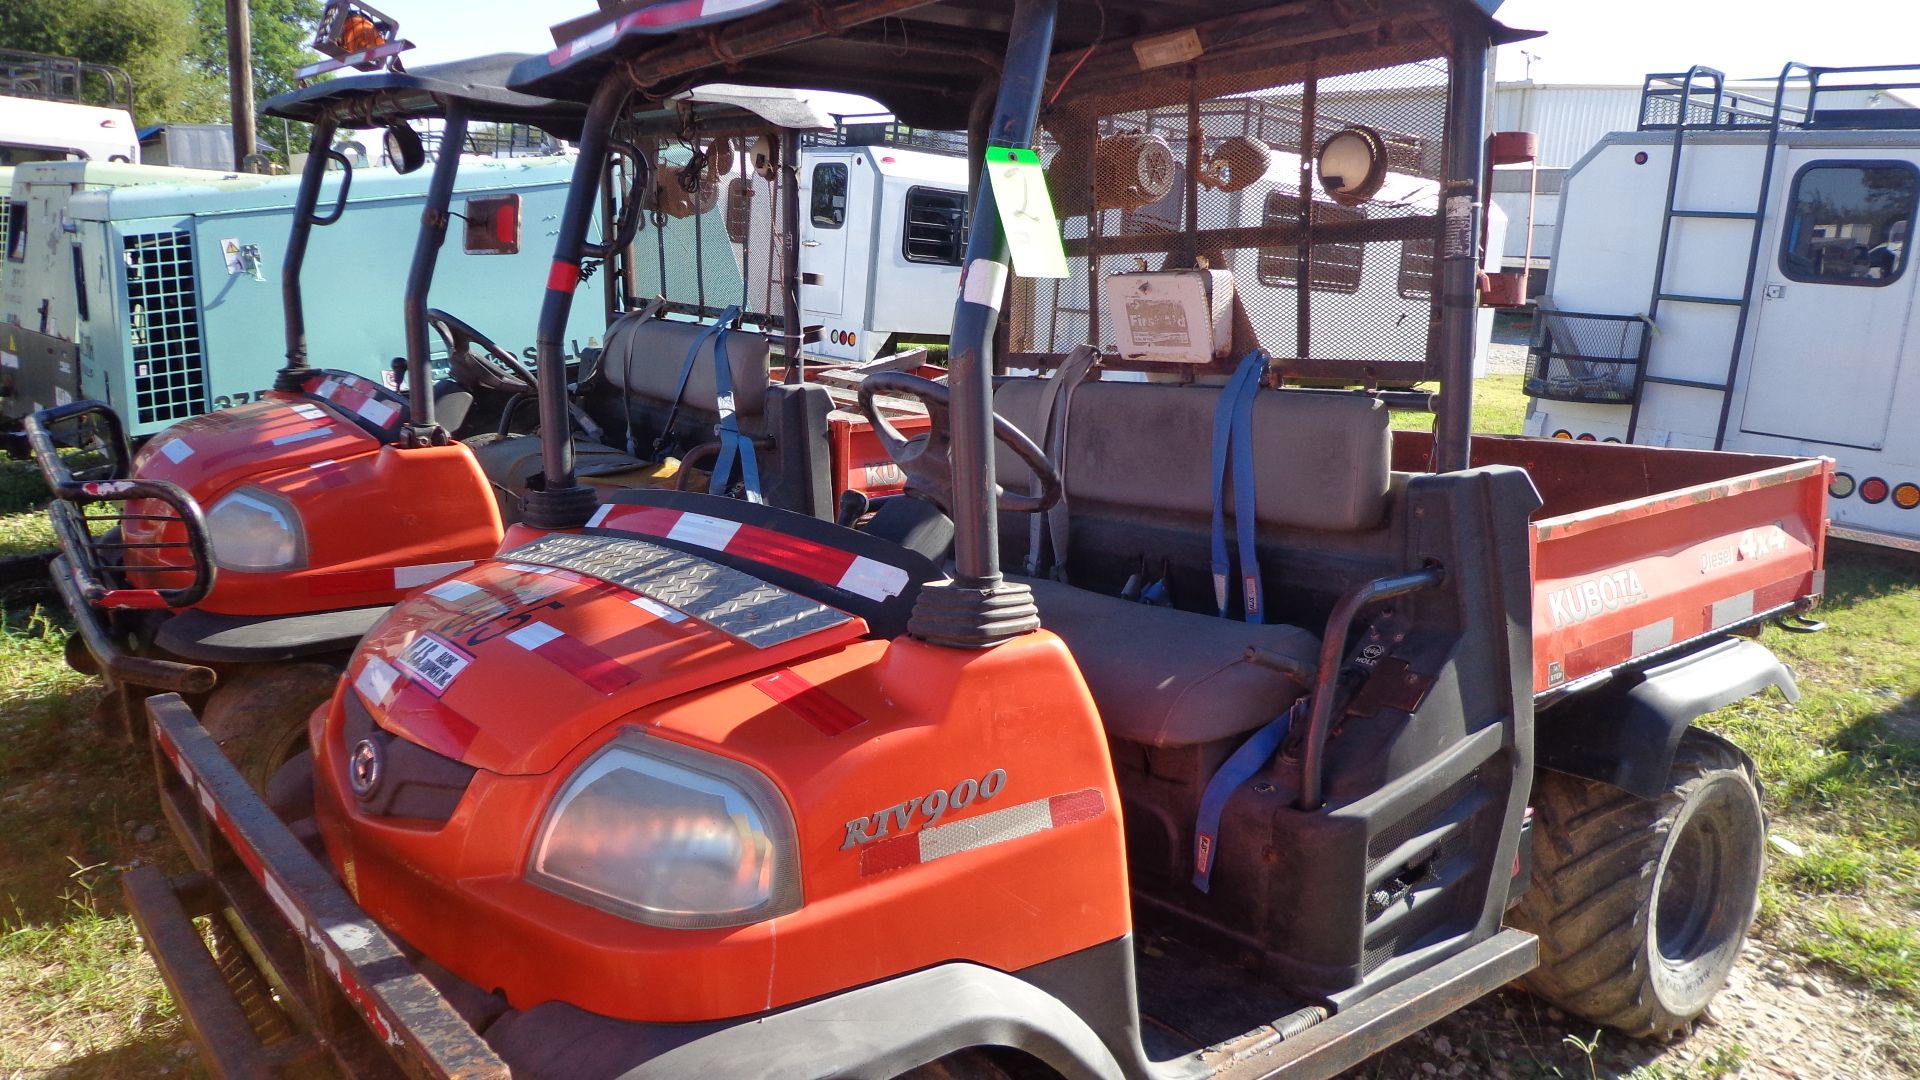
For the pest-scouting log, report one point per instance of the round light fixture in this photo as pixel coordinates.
(1353, 165)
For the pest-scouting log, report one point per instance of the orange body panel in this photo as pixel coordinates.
(1639, 548)
(378, 521)
(1625, 580)
(915, 719)
(208, 455)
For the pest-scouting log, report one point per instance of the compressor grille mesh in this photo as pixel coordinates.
(163, 327)
(1217, 166)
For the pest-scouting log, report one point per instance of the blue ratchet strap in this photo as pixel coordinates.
(680, 388)
(1239, 768)
(1233, 442)
(732, 443)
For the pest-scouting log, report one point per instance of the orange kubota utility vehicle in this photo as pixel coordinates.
(1294, 737)
(230, 553)
(246, 544)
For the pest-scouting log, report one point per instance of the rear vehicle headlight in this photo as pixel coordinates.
(253, 530)
(669, 836)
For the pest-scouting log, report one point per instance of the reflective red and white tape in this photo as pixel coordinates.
(834, 566)
(575, 657)
(384, 579)
(655, 15)
(358, 396)
(327, 944)
(810, 703)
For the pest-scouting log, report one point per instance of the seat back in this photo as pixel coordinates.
(1145, 450)
(644, 357)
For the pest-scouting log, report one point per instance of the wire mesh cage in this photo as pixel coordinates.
(713, 235)
(1216, 168)
(1580, 356)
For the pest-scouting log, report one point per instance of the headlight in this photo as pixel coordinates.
(669, 836)
(252, 530)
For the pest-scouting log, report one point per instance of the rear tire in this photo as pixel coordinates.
(1640, 905)
(258, 714)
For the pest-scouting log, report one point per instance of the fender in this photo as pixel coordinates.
(1625, 732)
(876, 1031)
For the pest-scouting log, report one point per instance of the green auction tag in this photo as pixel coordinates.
(1026, 212)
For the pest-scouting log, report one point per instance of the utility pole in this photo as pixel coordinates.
(240, 81)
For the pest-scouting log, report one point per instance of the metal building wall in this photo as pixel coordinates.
(1569, 119)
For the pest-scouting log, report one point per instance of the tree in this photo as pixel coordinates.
(151, 39)
(281, 30)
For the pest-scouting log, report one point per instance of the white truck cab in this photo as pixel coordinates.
(882, 230)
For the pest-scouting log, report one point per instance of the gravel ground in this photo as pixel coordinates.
(1774, 1021)
(1504, 359)
(1508, 353)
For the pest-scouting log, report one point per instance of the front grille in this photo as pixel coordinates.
(163, 327)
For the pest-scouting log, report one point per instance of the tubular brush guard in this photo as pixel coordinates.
(94, 561)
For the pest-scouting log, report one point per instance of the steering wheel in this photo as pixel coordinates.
(498, 369)
(927, 460)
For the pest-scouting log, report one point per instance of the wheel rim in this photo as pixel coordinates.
(1690, 889)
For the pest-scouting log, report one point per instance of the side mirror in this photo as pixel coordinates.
(493, 225)
(404, 149)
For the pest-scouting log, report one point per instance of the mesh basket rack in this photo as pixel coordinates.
(1216, 167)
(1581, 356)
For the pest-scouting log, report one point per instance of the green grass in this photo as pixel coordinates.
(1498, 408)
(75, 987)
(22, 528)
(1884, 957)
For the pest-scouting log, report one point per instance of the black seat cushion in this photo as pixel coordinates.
(1165, 677)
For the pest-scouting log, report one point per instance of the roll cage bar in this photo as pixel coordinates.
(996, 73)
(457, 93)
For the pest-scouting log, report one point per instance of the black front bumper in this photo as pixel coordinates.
(119, 667)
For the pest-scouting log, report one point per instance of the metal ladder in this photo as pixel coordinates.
(1754, 218)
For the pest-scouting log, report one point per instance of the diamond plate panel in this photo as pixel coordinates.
(732, 602)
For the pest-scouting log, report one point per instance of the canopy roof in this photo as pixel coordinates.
(381, 97)
(927, 61)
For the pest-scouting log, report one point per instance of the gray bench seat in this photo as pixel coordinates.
(1164, 677)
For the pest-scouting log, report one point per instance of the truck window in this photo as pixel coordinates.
(830, 194)
(1334, 267)
(16, 232)
(1847, 222)
(936, 226)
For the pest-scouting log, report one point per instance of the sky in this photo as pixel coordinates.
(1614, 41)
(1618, 41)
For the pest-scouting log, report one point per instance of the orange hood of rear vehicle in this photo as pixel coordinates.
(509, 666)
(210, 453)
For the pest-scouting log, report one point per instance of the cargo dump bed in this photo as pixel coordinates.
(1639, 550)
